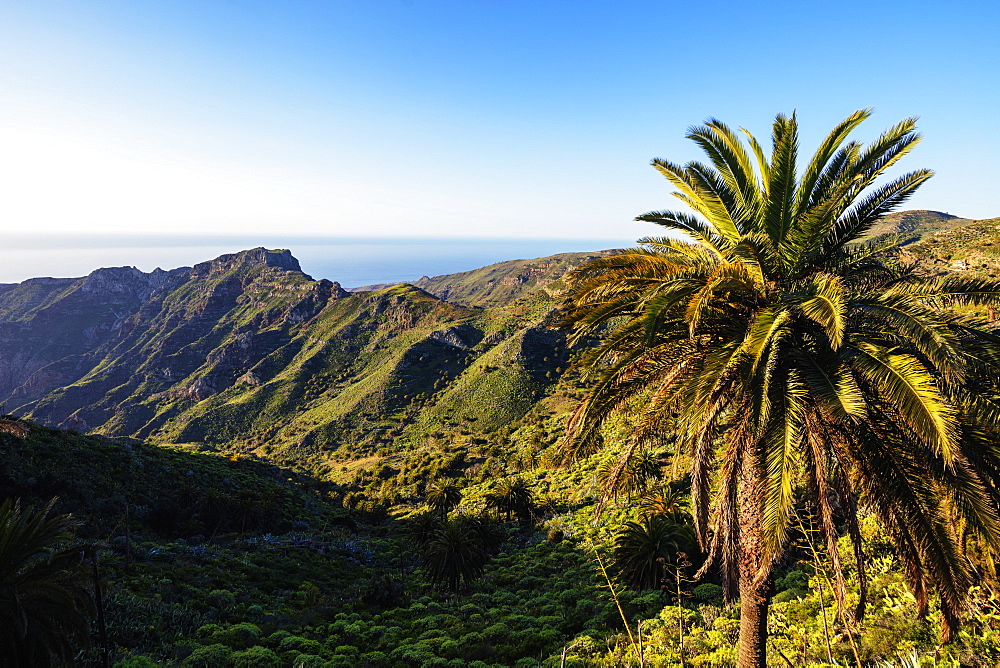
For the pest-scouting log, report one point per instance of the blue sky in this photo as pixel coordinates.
(481, 119)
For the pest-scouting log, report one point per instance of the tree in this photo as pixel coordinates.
(631, 479)
(512, 498)
(443, 496)
(457, 550)
(670, 502)
(791, 356)
(44, 599)
(642, 548)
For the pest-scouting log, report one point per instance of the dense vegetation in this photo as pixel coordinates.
(323, 584)
(793, 362)
(290, 475)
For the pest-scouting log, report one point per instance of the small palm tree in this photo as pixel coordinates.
(642, 548)
(456, 551)
(512, 498)
(670, 502)
(792, 357)
(442, 496)
(629, 476)
(44, 599)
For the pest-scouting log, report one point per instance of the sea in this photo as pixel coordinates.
(350, 261)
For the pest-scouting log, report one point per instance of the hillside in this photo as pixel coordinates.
(916, 224)
(248, 353)
(972, 247)
(162, 491)
(503, 282)
(216, 561)
(264, 452)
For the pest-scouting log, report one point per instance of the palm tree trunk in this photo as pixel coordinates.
(755, 595)
(754, 604)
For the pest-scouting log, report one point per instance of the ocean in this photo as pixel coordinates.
(352, 262)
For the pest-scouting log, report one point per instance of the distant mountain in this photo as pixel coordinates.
(914, 225)
(247, 353)
(502, 282)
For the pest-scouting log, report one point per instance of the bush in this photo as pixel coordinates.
(708, 593)
(221, 599)
(375, 659)
(256, 657)
(211, 656)
(237, 636)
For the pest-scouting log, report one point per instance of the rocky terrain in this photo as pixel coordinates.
(248, 352)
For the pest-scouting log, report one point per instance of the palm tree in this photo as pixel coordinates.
(633, 478)
(642, 548)
(669, 502)
(44, 601)
(456, 551)
(443, 496)
(789, 356)
(512, 498)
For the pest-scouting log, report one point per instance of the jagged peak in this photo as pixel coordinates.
(253, 257)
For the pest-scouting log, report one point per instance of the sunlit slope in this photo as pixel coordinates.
(973, 247)
(346, 377)
(916, 224)
(248, 353)
(186, 342)
(502, 283)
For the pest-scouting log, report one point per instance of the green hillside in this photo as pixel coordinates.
(916, 224)
(501, 283)
(258, 455)
(972, 247)
(248, 354)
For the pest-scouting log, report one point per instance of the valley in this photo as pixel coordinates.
(264, 458)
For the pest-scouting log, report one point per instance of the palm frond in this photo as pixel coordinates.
(904, 383)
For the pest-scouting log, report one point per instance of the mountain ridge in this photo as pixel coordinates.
(247, 353)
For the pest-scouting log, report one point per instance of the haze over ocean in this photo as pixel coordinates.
(352, 262)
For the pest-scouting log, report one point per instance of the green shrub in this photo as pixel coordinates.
(210, 656)
(256, 657)
(221, 599)
(708, 592)
(375, 659)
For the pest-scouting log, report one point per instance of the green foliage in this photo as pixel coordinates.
(643, 549)
(442, 496)
(790, 359)
(512, 498)
(172, 492)
(456, 551)
(256, 657)
(45, 604)
(392, 399)
(210, 656)
(707, 592)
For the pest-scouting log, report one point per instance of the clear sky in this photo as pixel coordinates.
(511, 118)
